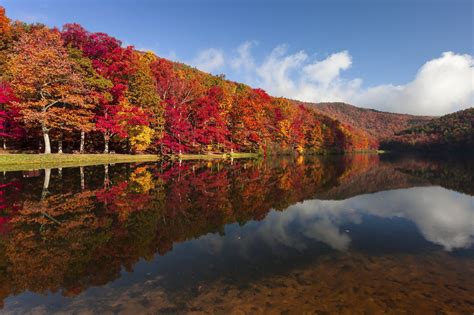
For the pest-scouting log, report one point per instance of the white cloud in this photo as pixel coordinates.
(327, 70)
(275, 72)
(442, 85)
(244, 60)
(209, 60)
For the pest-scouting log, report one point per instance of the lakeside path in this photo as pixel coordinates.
(24, 162)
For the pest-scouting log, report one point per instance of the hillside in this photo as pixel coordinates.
(450, 132)
(102, 95)
(380, 125)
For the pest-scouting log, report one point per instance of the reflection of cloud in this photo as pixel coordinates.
(443, 217)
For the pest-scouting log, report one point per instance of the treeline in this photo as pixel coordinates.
(80, 91)
(452, 132)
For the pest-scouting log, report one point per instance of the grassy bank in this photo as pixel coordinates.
(20, 162)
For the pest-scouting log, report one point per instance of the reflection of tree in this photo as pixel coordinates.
(50, 242)
(452, 173)
(72, 241)
(8, 203)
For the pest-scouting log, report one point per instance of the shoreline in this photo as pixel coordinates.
(34, 161)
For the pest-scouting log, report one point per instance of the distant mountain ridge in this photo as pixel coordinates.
(449, 132)
(380, 125)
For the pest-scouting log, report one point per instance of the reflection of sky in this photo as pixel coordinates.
(443, 217)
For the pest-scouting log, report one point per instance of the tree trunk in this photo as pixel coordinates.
(60, 173)
(106, 143)
(83, 140)
(60, 146)
(47, 143)
(4, 144)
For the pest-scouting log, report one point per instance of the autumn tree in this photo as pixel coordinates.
(143, 92)
(5, 38)
(178, 88)
(209, 128)
(9, 127)
(112, 62)
(51, 92)
(96, 86)
(249, 119)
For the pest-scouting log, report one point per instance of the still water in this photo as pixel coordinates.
(342, 234)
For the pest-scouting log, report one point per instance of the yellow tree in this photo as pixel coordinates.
(50, 90)
(143, 92)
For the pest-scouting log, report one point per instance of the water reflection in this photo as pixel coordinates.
(95, 237)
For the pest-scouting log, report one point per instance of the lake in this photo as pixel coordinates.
(338, 234)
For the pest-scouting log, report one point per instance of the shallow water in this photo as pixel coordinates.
(341, 234)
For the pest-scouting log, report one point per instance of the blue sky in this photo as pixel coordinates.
(278, 44)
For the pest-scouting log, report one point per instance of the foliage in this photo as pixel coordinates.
(9, 127)
(76, 80)
(450, 132)
(378, 125)
(50, 92)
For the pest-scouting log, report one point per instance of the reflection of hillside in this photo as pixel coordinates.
(451, 173)
(394, 172)
(71, 241)
(377, 178)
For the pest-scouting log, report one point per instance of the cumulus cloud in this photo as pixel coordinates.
(328, 70)
(442, 85)
(209, 60)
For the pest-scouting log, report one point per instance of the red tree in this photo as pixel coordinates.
(209, 127)
(9, 127)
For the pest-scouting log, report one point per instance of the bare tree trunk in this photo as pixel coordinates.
(60, 146)
(47, 177)
(47, 143)
(83, 140)
(106, 143)
(60, 172)
(4, 144)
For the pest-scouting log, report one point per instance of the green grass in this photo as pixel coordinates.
(21, 162)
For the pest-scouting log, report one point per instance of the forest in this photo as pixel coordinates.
(75, 91)
(377, 124)
(453, 132)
